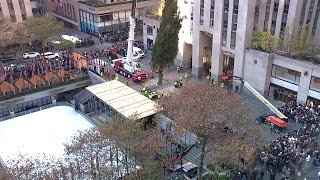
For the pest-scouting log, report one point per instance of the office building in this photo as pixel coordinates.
(101, 16)
(221, 33)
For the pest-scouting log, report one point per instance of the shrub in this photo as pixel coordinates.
(264, 41)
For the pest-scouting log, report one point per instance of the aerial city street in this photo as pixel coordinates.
(160, 89)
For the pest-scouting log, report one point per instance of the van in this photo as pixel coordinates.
(138, 52)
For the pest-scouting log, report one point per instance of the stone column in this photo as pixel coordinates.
(304, 85)
(244, 34)
(294, 10)
(17, 10)
(262, 14)
(27, 6)
(279, 18)
(197, 52)
(217, 57)
(229, 28)
(5, 8)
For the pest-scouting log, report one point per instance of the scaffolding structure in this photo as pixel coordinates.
(107, 99)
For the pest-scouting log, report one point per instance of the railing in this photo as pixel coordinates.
(46, 107)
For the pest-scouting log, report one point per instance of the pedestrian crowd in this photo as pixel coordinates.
(298, 149)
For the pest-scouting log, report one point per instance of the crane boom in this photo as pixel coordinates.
(131, 32)
(261, 98)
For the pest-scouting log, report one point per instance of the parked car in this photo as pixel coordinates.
(8, 58)
(30, 55)
(50, 55)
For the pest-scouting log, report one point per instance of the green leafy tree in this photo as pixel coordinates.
(160, 8)
(264, 41)
(296, 39)
(45, 29)
(166, 46)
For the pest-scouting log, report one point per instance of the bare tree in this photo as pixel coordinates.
(215, 115)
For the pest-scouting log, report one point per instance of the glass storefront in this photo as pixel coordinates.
(286, 74)
(282, 94)
(89, 22)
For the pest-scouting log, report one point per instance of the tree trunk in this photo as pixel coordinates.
(160, 77)
(200, 170)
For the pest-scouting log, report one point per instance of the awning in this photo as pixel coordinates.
(124, 99)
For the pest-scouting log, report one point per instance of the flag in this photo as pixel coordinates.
(11, 78)
(61, 4)
(3, 77)
(54, 5)
(25, 73)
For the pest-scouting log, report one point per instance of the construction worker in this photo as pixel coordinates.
(150, 95)
(222, 85)
(159, 96)
(178, 69)
(117, 77)
(180, 79)
(186, 75)
(208, 77)
(176, 84)
(157, 84)
(144, 88)
(101, 74)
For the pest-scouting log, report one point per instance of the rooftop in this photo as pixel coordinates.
(103, 4)
(124, 99)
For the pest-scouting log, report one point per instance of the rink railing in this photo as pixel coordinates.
(42, 108)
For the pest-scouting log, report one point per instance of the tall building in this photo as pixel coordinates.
(101, 16)
(221, 33)
(20, 10)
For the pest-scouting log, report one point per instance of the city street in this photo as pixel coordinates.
(171, 75)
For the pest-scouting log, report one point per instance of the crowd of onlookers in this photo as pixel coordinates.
(297, 150)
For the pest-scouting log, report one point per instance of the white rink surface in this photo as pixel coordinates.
(42, 132)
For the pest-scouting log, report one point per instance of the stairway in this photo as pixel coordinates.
(193, 155)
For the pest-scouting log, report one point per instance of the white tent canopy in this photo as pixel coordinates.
(124, 99)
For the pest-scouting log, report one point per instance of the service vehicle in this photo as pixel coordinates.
(70, 38)
(138, 52)
(30, 55)
(50, 55)
(279, 120)
(126, 66)
(128, 69)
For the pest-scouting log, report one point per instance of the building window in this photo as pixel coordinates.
(315, 83)
(286, 74)
(212, 13)
(233, 40)
(286, 7)
(310, 11)
(235, 15)
(303, 11)
(150, 30)
(256, 15)
(201, 12)
(276, 6)
(106, 18)
(266, 18)
(226, 6)
(315, 22)
(224, 37)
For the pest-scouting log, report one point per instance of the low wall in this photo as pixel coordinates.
(95, 79)
(45, 93)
